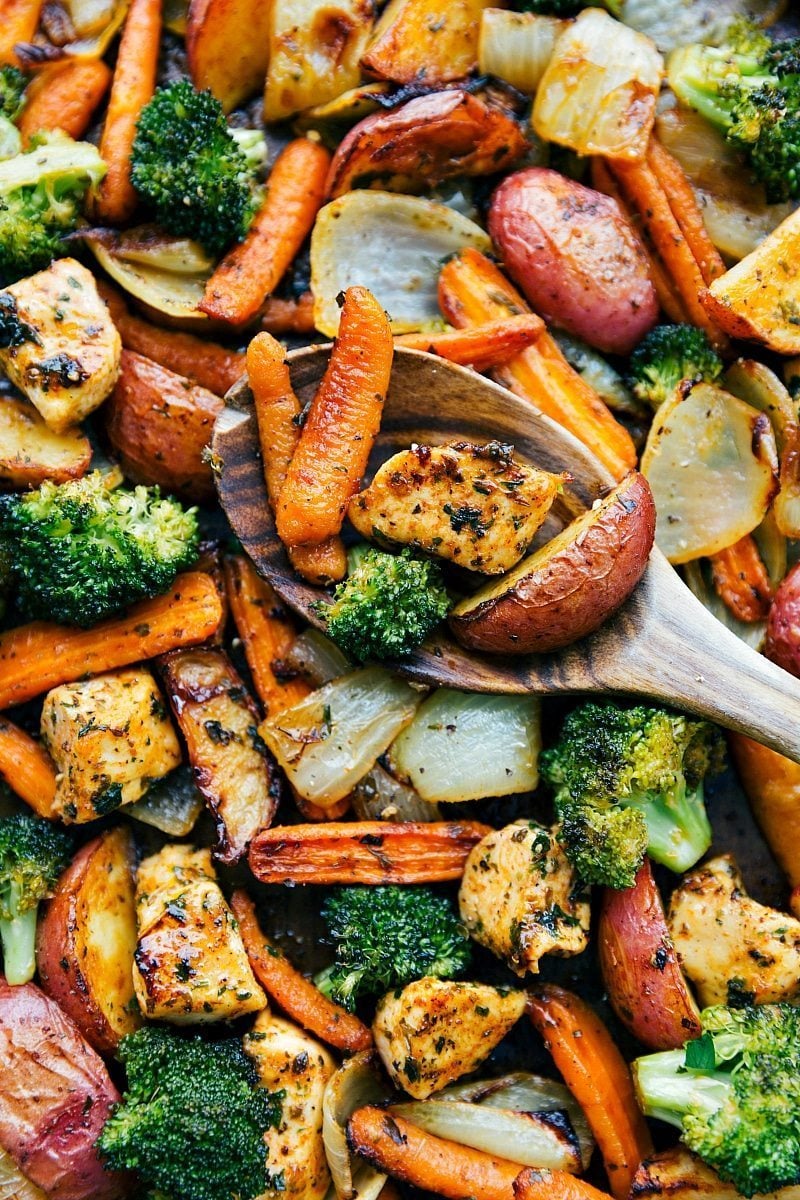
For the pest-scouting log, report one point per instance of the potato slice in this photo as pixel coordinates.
(425, 41)
(571, 585)
(30, 452)
(712, 463)
(227, 48)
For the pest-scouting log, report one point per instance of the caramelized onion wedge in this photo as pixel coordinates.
(571, 585)
(356, 1083)
(13, 1184)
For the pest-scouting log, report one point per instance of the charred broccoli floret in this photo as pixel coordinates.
(12, 92)
(387, 605)
(192, 1120)
(33, 853)
(666, 356)
(387, 936)
(80, 551)
(629, 781)
(734, 1093)
(195, 172)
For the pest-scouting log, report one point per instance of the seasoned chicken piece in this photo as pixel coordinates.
(730, 947)
(70, 362)
(190, 965)
(109, 737)
(677, 1174)
(290, 1061)
(472, 504)
(521, 898)
(435, 1030)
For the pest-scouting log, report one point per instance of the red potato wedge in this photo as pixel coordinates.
(158, 424)
(371, 852)
(55, 1096)
(227, 47)
(570, 586)
(640, 968)
(783, 624)
(30, 452)
(86, 940)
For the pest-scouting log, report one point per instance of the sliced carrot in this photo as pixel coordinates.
(369, 852)
(288, 316)
(481, 346)
(772, 786)
(291, 991)
(741, 581)
(536, 1184)
(312, 812)
(278, 414)
(133, 85)
(37, 657)
(683, 202)
(18, 23)
(341, 427)
(472, 291)
(253, 269)
(27, 768)
(267, 632)
(598, 1076)
(64, 96)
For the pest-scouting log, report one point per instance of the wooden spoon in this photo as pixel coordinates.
(662, 644)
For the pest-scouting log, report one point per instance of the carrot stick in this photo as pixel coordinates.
(741, 581)
(392, 1144)
(212, 366)
(37, 657)
(472, 291)
(133, 85)
(28, 769)
(598, 1076)
(267, 633)
(482, 346)
(253, 269)
(369, 852)
(342, 424)
(772, 786)
(291, 991)
(536, 1184)
(277, 413)
(312, 812)
(683, 202)
(18, 23)
(64, 96)
(288, 316)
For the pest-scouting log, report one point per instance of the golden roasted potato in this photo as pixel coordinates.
(436, 1030)
(521, 899)
(227, 48)
(472, 504)
(190, 966)
(86, 939)
(31, 453)
(571, 585)
(289, 1060)
(425, 41)
(731, 947)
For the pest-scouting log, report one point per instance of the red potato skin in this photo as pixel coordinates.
(640, 969)
(783, 624)
(576, 587)
(55, 1096)
(575, 257)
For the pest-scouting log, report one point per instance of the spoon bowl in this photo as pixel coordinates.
(661, 644)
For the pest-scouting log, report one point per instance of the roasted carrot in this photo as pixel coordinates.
(370, 852)
(64, 96)
(341, 427)
(741, 581)
(27, 768)
(312, 812)
(253, 269)
(536, 1184)
(288, 316)
(481, 346)
(392, 1144)
(291, 991)
(683, 202)
(772, 786)
(267, 632)
(37, 657)
(472, 291)
(277, 413)
(598, 1076)
(18, 22)
(133, 85)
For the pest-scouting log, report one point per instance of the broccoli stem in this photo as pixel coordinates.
(678, 829)
(667, 1090)
(18, 936)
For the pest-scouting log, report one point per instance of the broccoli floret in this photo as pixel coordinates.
(192, 1120)
(33, 853)
(629, 781)
(750, 90)
(666, 356)
(387, 936)
(734, 1093)
(387, 605)
(195, 172)
(12, 92)
(41, 192)
(81, 551)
